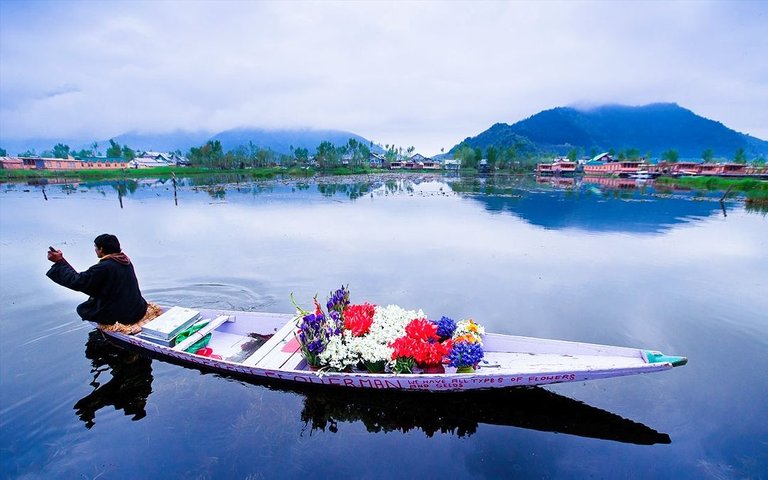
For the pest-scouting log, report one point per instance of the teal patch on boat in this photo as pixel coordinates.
(658, 357)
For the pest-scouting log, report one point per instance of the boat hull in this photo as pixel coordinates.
(510, 361)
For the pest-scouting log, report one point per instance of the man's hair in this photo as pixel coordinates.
(108, 243)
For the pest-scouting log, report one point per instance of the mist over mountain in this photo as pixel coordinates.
(652, 129)
(283, 141)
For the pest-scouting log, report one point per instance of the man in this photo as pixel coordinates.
(114, 296)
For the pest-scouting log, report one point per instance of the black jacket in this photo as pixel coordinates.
(112, 287)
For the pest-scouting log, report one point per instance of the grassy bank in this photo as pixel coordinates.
(167, 172)
(755, 190)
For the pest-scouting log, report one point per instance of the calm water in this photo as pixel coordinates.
(667, 270)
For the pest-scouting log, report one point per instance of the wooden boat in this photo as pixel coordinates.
(324, 409)
(263, 345)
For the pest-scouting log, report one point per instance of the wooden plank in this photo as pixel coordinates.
(280, 338)
(278, 357)
(212, 325)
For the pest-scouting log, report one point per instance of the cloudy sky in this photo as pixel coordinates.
(425, 74)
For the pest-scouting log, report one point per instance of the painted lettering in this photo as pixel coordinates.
(393, 384)
(364, 382)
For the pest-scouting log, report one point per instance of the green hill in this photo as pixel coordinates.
(652, 129)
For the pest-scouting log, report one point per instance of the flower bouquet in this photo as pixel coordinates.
(467, 348)
(313, 333)
(377, 339)
(420, 346)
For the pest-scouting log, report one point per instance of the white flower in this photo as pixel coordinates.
(337, 354)
(369, 349)
(389, 322)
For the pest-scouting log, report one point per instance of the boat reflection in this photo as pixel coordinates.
(127, 390)
(461, 414)
(458, 414)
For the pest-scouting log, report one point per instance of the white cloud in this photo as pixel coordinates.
(426, 74)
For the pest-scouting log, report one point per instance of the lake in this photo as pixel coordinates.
(588, 260)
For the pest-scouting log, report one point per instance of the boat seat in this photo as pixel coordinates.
(272, 347)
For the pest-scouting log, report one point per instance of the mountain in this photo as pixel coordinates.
(160, 142)
(282, 140)
(651, 128)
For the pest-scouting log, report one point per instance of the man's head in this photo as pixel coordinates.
(106, 243)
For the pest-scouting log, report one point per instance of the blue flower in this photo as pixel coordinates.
(465, 354)
(445, 328)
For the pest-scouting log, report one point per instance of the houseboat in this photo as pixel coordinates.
(558, 166)
(723, 169)
(604, 164)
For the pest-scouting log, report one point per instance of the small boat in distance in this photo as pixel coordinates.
(263, 345)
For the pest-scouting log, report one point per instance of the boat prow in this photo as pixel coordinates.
(653, 356)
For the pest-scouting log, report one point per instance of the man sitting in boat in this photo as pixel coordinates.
(115, 301)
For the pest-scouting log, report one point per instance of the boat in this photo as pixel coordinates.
(324, 409)
(264, 345)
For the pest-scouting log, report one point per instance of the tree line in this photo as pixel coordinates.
(353, 154)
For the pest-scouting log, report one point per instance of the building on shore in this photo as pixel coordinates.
(58, 164)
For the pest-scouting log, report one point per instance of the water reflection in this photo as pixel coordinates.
(378, 410)
(600, 205)
(461, 414)
(127, 390)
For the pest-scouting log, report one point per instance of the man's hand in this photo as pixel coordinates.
(55, 256)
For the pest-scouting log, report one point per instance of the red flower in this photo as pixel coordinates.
(404, 347)
(358, 318)
(420, 343)
(422, 329)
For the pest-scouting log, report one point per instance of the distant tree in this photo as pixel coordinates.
(95, 149)
(81, 153)
(301, 154)
(209, 155)
(467, 155)
(390, 153)
(478, 154)
(359, 151)
(633, 153)
(622, 155)
(327, 155)
(510, 156)
(492, 154)
(740, 156)
(573, 154)
(670, 156)
(114, 150)
(28, 153)
(128, 153)
(708, 155)
(593, 152)
(3, 153)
